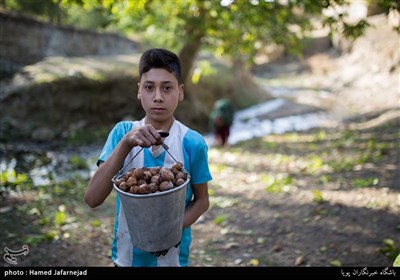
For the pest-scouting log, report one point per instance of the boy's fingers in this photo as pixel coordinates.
(139, 142)
(151, 134)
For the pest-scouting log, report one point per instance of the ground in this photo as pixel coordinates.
(317, 198)
(287, 223)
(326, 197)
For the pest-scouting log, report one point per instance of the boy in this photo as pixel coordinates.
(160, 91)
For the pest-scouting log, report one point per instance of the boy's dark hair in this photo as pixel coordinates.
(160, 58)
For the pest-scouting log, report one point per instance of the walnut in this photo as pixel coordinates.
(177, 167)
(126, 176)
(180, 175)
(141, 182)
(138, 173)
(123, 186)
(119, 181)
(166, 174)
(154, 170)
(147, 176)
(179, 182)
(134, 189)
(153, 187)
(143, 189)
(166, 185)
(151, 179)
(155, 179)
(131, 181)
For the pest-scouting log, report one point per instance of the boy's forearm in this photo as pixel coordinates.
(194, 211)
(100, 185)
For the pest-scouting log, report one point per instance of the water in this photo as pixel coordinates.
(47, 166)
(292, 110)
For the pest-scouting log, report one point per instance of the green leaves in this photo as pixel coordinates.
(60, 216)
(9, 177)
(397, 261)
(317, 196)
(335, 263)
(389, 249)
(278, 184)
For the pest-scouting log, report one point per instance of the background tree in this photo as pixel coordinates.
(239, 30)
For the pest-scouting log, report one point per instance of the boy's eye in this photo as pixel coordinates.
(167, 88)
(148, 87)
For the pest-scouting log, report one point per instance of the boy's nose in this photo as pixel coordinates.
(158, 95)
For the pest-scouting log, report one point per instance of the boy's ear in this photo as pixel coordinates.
(138, 93)
(181, 93)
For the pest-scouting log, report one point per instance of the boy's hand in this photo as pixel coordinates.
(164, 252)
(145, 136)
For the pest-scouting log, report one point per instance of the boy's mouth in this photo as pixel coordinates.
(158, 109)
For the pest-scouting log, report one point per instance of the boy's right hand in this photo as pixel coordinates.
(145, 136)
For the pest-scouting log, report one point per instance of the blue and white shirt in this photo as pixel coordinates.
(188, 147)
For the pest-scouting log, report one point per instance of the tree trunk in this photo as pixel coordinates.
(188, 54)
(195, 32)
(58, 12)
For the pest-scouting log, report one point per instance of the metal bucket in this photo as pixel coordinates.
(155, 220)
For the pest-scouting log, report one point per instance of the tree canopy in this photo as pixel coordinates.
(239, 30)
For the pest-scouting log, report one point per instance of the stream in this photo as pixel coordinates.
(292, 110)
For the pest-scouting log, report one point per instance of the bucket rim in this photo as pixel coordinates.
(143, 196)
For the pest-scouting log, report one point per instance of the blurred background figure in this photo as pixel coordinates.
(220, 121)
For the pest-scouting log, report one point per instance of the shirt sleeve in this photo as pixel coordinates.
(115, 135)
(198, 157)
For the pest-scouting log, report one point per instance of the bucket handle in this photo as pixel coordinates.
(163, 134)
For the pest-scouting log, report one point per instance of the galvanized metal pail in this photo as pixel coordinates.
(155, 220)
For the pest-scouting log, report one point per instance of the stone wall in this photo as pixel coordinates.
(26, 41)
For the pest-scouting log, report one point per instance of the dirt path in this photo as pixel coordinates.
(308, 218)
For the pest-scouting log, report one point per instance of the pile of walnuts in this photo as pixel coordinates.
(147, 180)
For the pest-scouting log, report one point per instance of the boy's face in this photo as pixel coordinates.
(159, 93)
